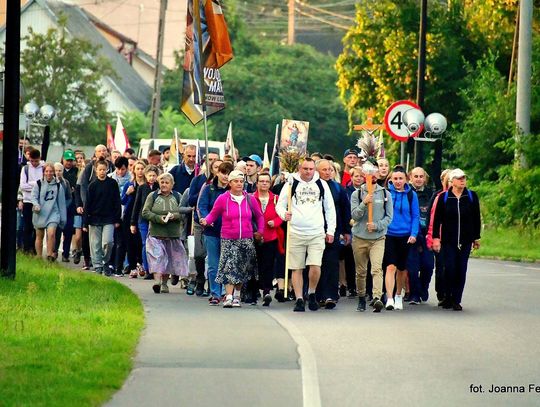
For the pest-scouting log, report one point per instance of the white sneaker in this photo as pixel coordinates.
(236, 302)
(398, 302)
(390, 304)
(228, 302)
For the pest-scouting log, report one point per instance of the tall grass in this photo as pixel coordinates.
(66, 338)
(510, 243)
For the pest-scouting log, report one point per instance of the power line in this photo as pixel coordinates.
(322, 20)
(324, 11)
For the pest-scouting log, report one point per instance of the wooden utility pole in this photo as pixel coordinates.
(156, 97)
(290, 36)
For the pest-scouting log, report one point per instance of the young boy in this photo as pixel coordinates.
(102, 212)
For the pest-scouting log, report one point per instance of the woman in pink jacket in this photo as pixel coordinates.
(237, 260)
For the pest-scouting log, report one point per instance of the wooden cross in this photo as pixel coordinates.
(369, 126)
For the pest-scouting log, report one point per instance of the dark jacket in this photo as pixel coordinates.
(195, 188)
(457, 221)
(208, 196)
(182, 178)
(140, 199)
(102, 205)
(343, 209)
(424, 203)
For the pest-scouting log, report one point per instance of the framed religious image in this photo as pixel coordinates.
(294, 135)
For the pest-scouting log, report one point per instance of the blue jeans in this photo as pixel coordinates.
(143, 231)
(213, 249)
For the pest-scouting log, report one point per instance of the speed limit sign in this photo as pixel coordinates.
(393, 120)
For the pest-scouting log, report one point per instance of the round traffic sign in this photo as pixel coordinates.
(393, 120)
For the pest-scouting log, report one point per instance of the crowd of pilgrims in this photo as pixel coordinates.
(224, 236)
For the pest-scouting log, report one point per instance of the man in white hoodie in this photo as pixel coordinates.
(30, 174)
(312, 220)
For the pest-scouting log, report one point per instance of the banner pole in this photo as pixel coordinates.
(197, 15)
(286, 284)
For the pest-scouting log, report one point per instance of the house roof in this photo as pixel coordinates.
(128, 82)
(138, 20)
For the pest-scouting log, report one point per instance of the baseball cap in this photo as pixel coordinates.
(350, 151)
(69, 155)
(254, 157)
(236, 175)
(456, 173)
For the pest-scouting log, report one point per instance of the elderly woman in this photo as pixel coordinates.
(238, 260)
(49, 207)
(456, 230)
(164, 250)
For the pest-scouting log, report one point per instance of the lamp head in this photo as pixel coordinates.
(435, 124)
(31, 110)
(47, 112)
(413, 120)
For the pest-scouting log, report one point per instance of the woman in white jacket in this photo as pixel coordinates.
(49, 207)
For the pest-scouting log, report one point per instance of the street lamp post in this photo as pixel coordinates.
(39, 117)
(10, 181)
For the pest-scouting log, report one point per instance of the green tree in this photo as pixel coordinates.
(137, 125)
(66, 72)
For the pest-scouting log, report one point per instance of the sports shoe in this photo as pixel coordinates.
(236, 302)
(424, 296)
(457, 307)
(190, 289)
(377, 305)
(361, 304)
(164, 288)
(342, 291)
(65, 259)
(398, 302)
(312, 302)
(352, 293)
(228, 302)
(389, 304)
(267, 300)
(148, 276)
(414, 300)
(329, 304)
(98, 270)
(280, 295)
(299, 306)
(156, 287)
(213, 301)
(199, 290)
(175, 279)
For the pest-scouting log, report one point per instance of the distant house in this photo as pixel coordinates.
(128, 90)
(143, 63)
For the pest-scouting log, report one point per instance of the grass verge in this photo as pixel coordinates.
(515, 243)
(66, 338)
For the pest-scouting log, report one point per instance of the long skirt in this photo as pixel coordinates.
(237, 261)
(166, 256)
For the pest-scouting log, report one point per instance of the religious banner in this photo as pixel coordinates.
(294, 135)
(202, 79)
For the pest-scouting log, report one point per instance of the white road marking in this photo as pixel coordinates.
(308, 364)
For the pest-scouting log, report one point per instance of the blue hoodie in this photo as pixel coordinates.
(406, 220)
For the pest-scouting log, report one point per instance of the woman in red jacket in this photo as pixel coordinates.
(268, 247)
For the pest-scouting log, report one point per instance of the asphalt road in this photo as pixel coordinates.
(192, 354)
